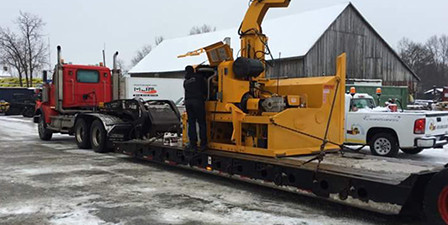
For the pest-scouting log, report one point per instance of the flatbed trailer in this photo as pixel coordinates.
(265, 129)
(388, 186)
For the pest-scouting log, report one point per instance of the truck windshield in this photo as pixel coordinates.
(362, 103)
(87, 76)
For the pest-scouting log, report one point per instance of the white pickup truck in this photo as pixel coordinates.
(386, 131)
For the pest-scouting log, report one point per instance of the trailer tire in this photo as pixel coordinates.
(98, 137)
(435, 203)
(82, 134)
(384, 144)
(44, 133)
(412, 151)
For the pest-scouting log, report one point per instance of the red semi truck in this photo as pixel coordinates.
(83, 101)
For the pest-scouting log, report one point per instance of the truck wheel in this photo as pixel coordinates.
(28, 112)
(98, 137)
(44, 133)
(384, 144)
(82, 134)
(412, 151)
(435, 203)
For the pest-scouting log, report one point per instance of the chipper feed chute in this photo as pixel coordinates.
(249, 113)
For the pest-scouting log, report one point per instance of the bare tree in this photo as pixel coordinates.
(145, 50)
(414, 54)
(433, 46)
(30, 27)
(202, 29)
(122, 66)
(443, 44)
(429, 60)
(12, 51)
(158, 40)
(26, 50)
(438, 46)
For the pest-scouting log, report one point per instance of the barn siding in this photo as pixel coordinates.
(368, 55)
(286, 68)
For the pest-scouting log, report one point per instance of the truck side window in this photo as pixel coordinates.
(87, 76)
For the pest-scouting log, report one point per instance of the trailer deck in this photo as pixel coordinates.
(384, 185)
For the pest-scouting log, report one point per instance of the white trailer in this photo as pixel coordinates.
(151, 88)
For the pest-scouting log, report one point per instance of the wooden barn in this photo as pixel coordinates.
(304, 44)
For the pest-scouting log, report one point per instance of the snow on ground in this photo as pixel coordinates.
(56, 183)
(439, 156)
(432, 155)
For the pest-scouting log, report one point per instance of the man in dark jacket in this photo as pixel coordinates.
(195, 93)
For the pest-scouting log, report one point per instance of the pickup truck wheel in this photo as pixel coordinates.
(412, 151)
(384, 144)
(82, 134)
(435, 203)
(98, 137)
(44, 133)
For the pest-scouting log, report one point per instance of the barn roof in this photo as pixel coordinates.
(290, 39)
(293, 36)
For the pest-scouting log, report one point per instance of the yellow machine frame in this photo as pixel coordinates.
(311, 122)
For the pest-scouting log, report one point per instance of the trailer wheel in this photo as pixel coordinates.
(98, 137)
(435, 203)
(82, 134)
(412, 151)
(44, 133)
(384, 144)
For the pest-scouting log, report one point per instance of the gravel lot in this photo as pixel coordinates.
(56, 183)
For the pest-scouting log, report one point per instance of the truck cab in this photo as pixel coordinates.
(84, 87)
(359, 102)
(74, 89)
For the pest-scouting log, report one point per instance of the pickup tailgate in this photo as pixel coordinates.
(436, 123)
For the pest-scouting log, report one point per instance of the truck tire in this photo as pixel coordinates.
(28, 112)
(44, 133)
(412, 151)
(82, 134)
(435, 202)
(384, 144)
(98, 137)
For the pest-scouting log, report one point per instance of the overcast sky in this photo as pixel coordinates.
(83, 27)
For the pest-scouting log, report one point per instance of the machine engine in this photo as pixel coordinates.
(274, 104)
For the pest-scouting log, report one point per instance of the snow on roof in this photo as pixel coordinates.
(292, 36)
(164, 57)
